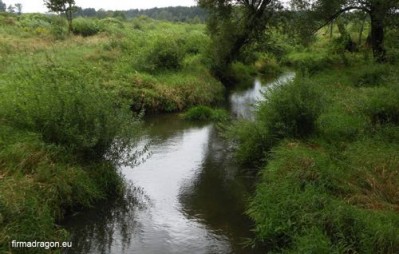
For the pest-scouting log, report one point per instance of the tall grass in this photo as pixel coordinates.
(327, 153)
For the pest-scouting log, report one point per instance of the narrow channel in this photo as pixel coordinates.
(188, 197)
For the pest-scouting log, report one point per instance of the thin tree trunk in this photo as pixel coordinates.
(361, 30)
(377, 38)
(331, 29)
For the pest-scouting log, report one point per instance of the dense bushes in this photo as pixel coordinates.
(66, 112)
(164, 54)
(204, 113)
(289, 111)
(301, 206)
(327, 153)
(85, 27)
(382, 105)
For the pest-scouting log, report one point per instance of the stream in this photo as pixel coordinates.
(188, 197)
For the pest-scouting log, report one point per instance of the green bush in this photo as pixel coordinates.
(337, 126)
(59, 27)
(288, 111)
(164, 53)
(382, 105)
(291, 110)
(370, 75)
(195, 42)
(65, 111)
(309, 62)
(298, 207)
(204, 113)
(267, 65)
(85, 27)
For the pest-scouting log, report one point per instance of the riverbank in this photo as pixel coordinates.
(65, 99)
(155, 66)
(326, 145)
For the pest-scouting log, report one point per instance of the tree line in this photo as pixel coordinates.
(237, 24)
(16, 8)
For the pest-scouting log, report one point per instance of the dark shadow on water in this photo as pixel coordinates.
(93, 230)
(218, 195)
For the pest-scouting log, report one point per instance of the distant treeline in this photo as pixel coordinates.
(183, 14)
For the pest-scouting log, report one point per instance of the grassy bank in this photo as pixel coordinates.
(66, 101)
(155, 66)
(327, 148)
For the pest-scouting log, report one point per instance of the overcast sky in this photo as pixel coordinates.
(37, 5)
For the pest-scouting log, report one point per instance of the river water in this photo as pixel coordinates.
(188, 197)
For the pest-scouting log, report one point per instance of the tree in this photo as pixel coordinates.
(378, 11)
(234, 24)
(18, 6)
(3, 6)
(11, 9)
(62, 6)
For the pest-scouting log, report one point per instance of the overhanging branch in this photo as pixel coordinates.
(338, 13)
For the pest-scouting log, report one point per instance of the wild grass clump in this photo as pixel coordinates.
(300, 206)
(268, 66)
(204, 113)
(382, 105)
(310, 62)
(332, 188)
(164, 54)
(61, 137)
(85, 27)
(337, 125)
(370, 75)
(53, 102)
(288, 111)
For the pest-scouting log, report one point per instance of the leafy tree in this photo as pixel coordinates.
(11, 9)
(3, 6)
(62, 6)
(234, 24)
(18, 6)
(378, 11)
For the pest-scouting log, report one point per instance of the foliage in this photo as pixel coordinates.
(327, 11)
(299, 206)
(333, 190)
(164, 54)
(382, 106)
(204, 113)
(267, 65)
(233, 25)
(62, 6)
(85, 27)
(66, 112)
(288, 111)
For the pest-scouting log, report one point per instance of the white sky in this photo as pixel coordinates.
(38, 6)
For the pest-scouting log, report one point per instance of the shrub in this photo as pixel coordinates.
(85, 27)
(291, 110)
(163, 54)
(298, 207)
(195, 42)
(59, 27)
(382, 105)
(204, 113)
(288, 111)
(65, 111)
(337, 126)
(309, 62)
(267, 65)
(370, 75)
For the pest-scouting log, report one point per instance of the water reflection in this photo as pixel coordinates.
(94, 230)
(242, 102)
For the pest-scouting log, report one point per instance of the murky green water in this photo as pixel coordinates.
(188, 197)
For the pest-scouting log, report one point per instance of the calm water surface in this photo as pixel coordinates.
(188, 197)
